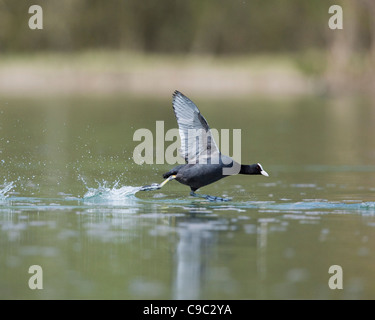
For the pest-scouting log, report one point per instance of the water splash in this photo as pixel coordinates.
(367, 205)
(6, 187)
(106, 193)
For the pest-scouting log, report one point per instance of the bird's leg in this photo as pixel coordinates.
(157, 186)
(208, 197)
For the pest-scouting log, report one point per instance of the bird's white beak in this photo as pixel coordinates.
(264, 173)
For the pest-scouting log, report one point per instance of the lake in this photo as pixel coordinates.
(69, 202)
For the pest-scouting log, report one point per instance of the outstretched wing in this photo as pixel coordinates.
(197, 143)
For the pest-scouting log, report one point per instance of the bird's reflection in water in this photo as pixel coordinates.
(262, 231)
(196, 253)
(197, 236)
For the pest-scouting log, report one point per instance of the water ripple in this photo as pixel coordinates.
(125, 196)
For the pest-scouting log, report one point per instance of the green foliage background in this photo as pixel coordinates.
(181, 26)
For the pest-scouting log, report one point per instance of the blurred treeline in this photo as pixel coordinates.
(341, 60)
(185, 26)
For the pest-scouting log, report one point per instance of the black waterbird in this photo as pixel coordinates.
(204, 162)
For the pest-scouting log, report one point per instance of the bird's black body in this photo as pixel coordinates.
(196, 175)
(199, 175)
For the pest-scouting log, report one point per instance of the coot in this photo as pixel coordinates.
(204, 162)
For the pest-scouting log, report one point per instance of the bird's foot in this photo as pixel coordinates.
(156, 186)
(151, 187)
(218, 199)
(209, 198)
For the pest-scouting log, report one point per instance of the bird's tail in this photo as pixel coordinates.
(172, 172)
(167, 174)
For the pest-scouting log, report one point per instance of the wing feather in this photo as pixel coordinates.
(197, 143)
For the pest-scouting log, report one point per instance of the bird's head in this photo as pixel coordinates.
(260, 170)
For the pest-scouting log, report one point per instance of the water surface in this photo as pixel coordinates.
(69, 202)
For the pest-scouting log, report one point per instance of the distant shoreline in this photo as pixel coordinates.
(158, 75)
